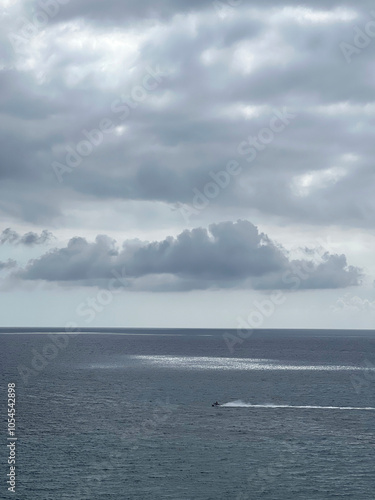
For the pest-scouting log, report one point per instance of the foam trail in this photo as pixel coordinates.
(242, 404)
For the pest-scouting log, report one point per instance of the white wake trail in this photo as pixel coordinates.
(242, 404)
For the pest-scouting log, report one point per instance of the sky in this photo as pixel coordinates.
(187, 163)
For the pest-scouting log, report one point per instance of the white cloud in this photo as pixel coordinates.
(303, 185)
(353, 303)
(305, 15)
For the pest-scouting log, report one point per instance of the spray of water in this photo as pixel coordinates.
(241, 404)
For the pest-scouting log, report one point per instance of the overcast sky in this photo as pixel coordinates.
(187, 163)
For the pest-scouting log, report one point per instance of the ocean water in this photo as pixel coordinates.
(128, 415)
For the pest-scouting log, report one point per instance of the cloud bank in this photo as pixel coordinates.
(219, 77)
(226, 255)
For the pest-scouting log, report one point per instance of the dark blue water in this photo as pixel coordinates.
(129, 416)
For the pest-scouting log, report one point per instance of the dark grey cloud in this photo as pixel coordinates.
(117, 11)
(28, 239)
(214, 67)
(227, 255)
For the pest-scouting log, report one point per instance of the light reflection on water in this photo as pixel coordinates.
(221, 363)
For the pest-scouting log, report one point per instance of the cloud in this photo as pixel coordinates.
(353, 303)
(28, 239)
(116, 11)
(9, 264)
(223, 77)
(226, 255)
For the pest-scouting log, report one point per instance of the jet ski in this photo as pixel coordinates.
(216, 404)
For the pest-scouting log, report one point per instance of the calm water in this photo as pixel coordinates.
(129, 416)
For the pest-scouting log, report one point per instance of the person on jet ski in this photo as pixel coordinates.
(216, 404)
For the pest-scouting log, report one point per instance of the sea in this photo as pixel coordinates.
(127, 414)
